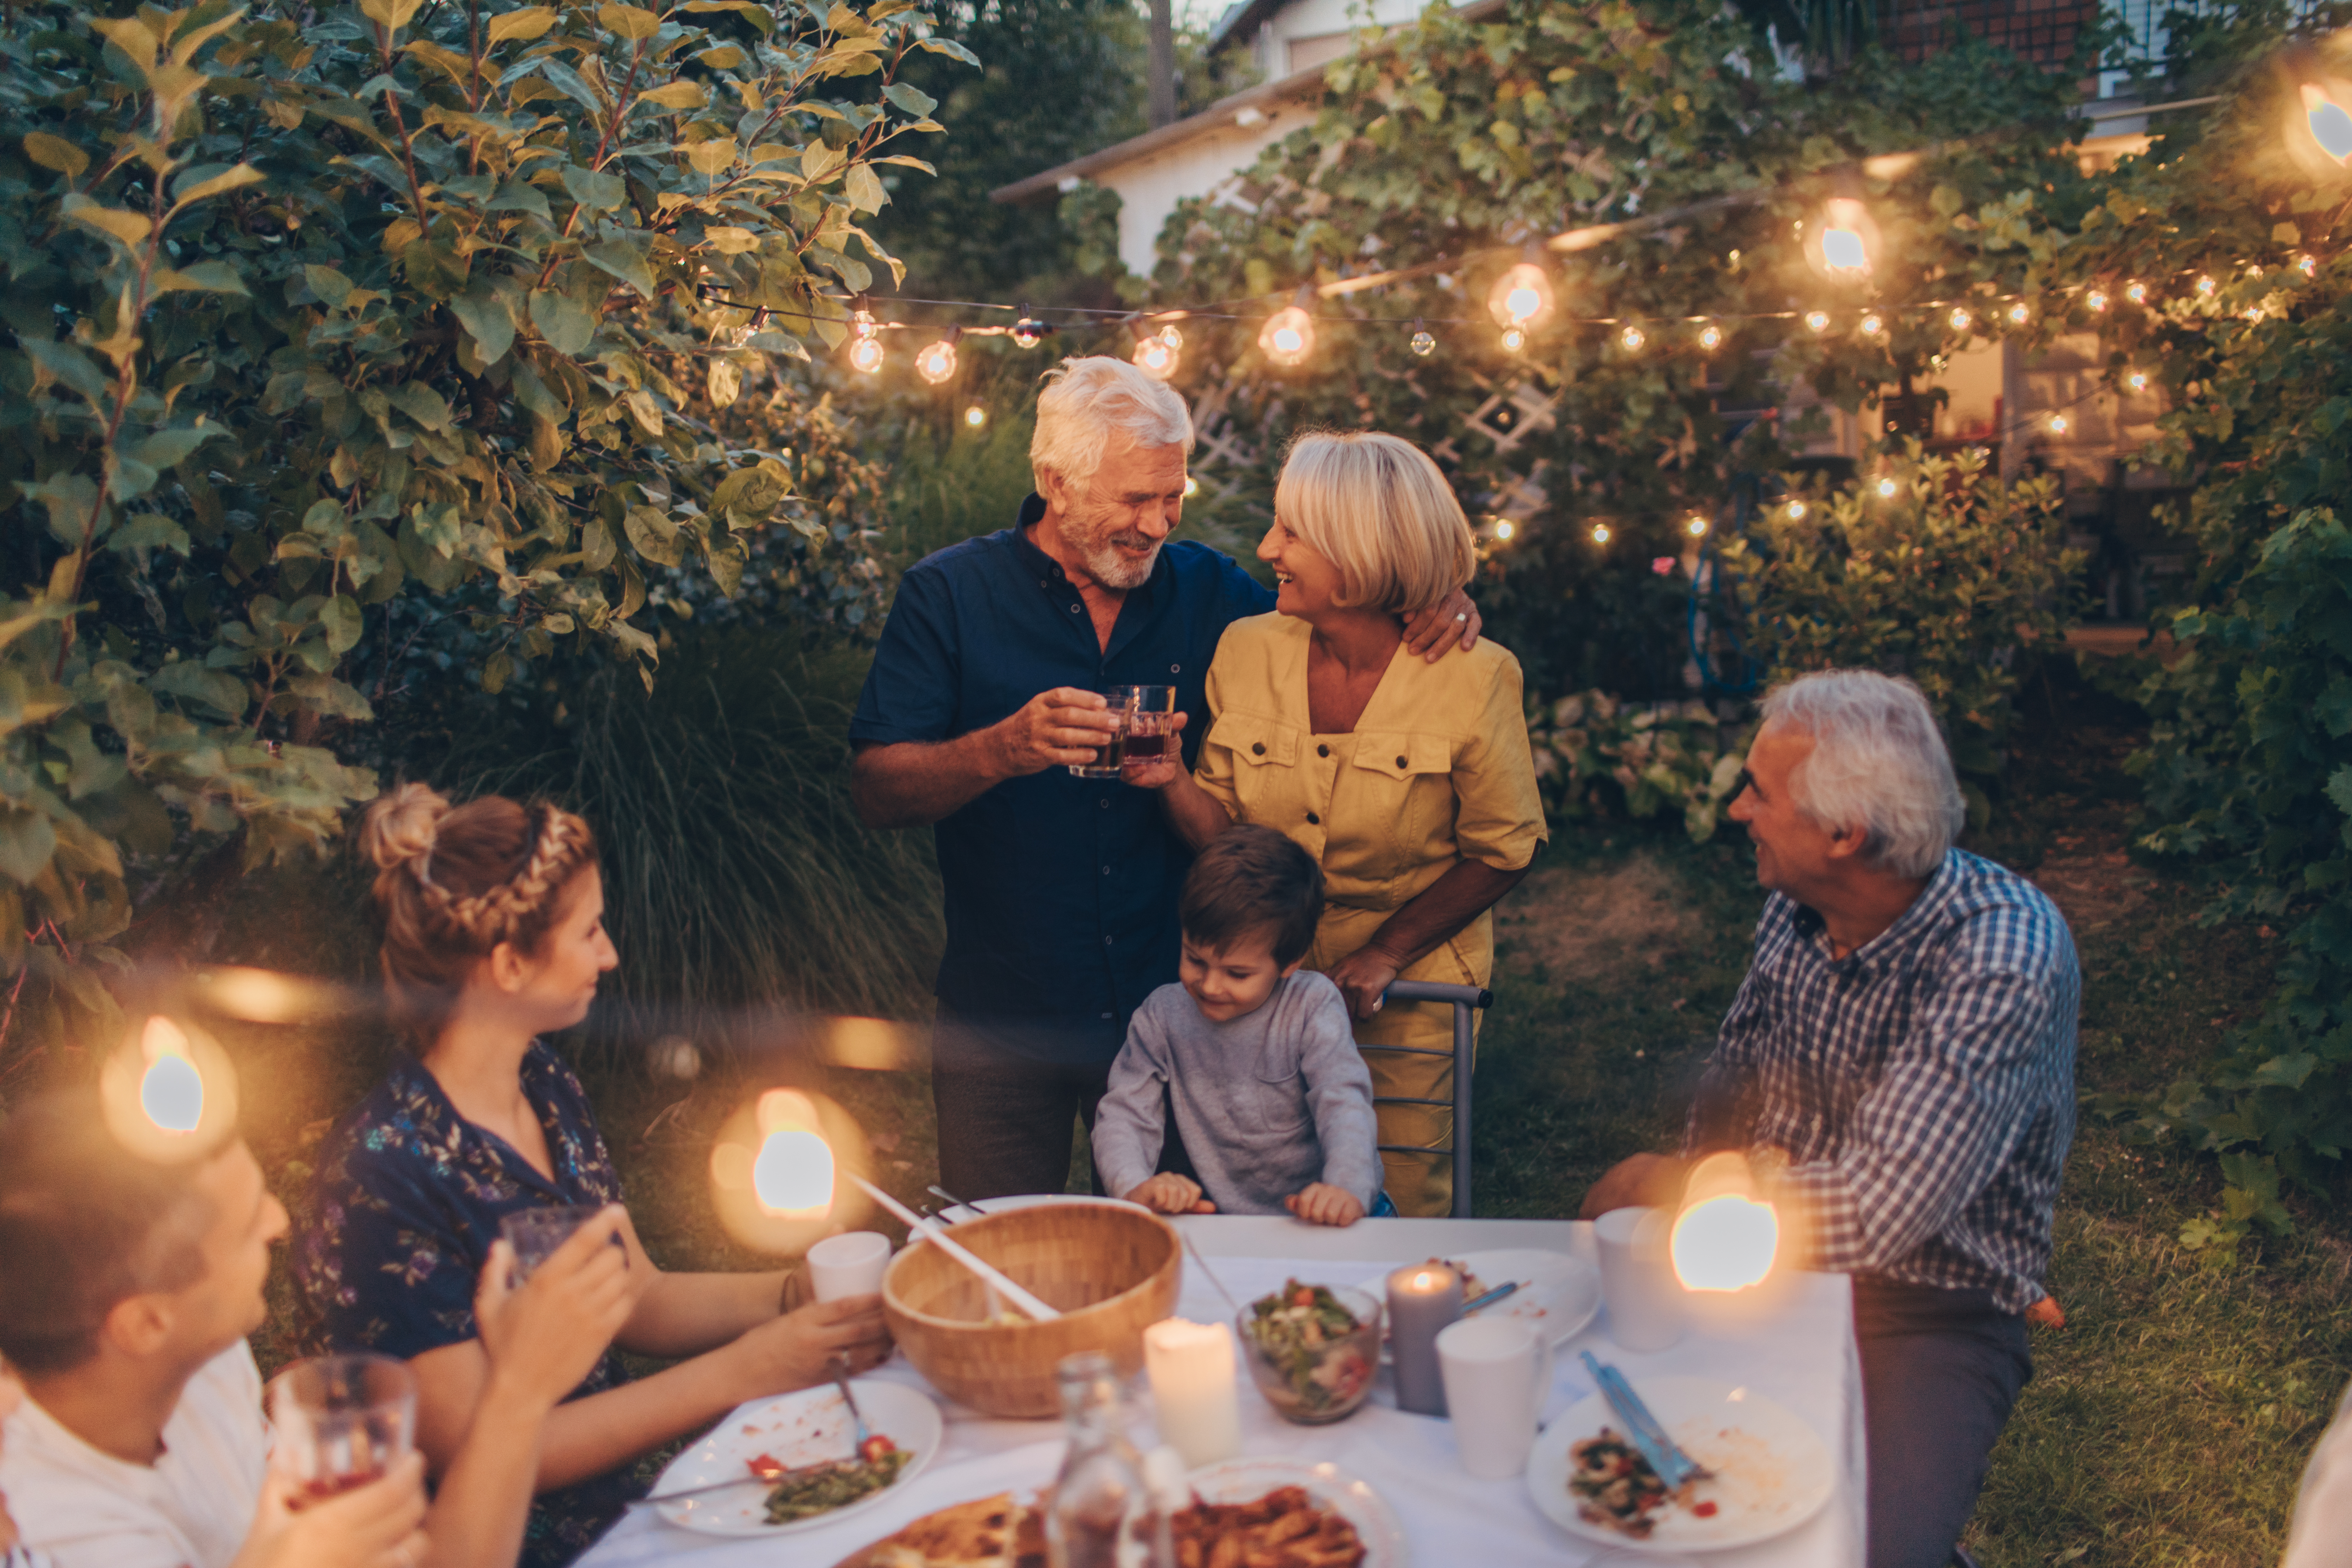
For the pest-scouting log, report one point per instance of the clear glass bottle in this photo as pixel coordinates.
(1099, 1498)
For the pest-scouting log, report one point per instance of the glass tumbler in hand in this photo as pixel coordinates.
(535, 1233)
(341, 1421)
(1143, 719)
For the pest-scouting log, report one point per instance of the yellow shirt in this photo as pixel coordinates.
(1437, 768)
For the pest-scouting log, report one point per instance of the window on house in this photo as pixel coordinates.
(1305, 54)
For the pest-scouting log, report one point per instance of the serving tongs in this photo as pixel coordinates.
(1674, 1467)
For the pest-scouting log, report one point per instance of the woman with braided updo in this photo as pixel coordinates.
(494, 935)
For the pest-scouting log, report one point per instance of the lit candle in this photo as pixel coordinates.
(1423, 1298)
(1193, 1389)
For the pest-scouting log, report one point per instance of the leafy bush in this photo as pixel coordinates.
(1597, 757)
(311, 315)
(1953, 580)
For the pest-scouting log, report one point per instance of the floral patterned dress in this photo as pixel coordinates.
(400, 1219)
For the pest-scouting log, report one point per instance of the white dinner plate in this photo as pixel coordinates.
(803, 1429)
(1558, 1294)
(1772, 1470)
(1029, 1201)
(1246, 1480)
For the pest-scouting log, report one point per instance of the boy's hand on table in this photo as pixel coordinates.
(1168, 1192)
(1320, 1203)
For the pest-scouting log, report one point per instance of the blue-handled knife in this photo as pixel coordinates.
(1673, 1466)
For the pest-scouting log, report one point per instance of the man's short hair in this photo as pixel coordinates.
(1878, 763)
(1377, 508)
(84, 1225)
(1087, 401)
(1251, 880)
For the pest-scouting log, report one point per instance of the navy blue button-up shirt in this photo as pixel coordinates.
(1061, 891)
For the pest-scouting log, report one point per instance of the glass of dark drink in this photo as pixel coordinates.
(1144, 721)
(341, 1421)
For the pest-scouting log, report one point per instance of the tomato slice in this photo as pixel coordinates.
(766, 1468)
(874, 1448)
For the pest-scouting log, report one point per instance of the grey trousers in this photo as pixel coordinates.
(1940, 1371)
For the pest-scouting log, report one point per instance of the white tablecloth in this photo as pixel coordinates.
(1804, 1359)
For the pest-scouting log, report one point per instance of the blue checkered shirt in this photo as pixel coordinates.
(1922, 1087)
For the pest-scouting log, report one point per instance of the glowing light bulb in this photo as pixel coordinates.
(1170, 336)
(1725, 1243)
(1191, 486)
(2135, 291)
(1027, 332)
(2137, 380)
(1818, 320)
(937, 361)
(2020, 313)
(170, 1091)
(2331, 127)
(1873, 325)
(2096, 298)
(975, 416)
(866, 355)
(1154, 358)
(1796, 512)
(1514, 340)
(1503, 531)
(1960, 319)
(1886, 489)
(1633, 338)
(1599, 533)
(1422, 342)
(1847, 243)
(1521, 297)
(1289, 336)
(1841, 250)
(2058, 425)
(1710, 337)
(1695, 527)
(2307, 265)
(2205, 285)
(793, 1173)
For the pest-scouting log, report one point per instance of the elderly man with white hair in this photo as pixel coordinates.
(1899, 1066)
(1061, 891)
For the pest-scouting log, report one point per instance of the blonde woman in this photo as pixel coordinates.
(1411, 783)
(494, 935)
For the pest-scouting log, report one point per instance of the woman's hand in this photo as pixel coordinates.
(1319, 1203)
(379, 1525)
(546, 1335)
(1169, 1192)
(1362, 976)
(1159, 771)
(798, 1350)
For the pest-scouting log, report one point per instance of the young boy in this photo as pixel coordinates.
(1257, 1060)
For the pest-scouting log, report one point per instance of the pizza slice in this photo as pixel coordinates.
(989, 1532)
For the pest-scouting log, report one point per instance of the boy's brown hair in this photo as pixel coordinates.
(1251, 880)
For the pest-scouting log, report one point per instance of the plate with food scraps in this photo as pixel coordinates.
(794, 1431)
(959, 1213)
(1248, 1499)
(1556, 1293)
(1772, 1471)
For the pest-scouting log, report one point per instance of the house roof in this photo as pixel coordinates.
(1225, 112)
(1241, 20)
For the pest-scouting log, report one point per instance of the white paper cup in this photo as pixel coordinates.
(1645, 1301)
(849, 1265)
(1497, 1371)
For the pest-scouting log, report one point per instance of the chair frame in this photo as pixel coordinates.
(1463, 999)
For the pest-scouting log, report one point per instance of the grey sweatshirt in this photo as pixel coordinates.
(1266, 1103)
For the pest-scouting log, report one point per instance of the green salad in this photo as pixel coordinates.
(1305, 1333)
(803, 1494)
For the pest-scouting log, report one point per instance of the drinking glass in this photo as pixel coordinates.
(535, 1233)
(341, 1420)
(1143, 721)
(1637, 1280)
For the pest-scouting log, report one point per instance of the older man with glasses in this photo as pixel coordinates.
(987, 685)
(1899, 1064)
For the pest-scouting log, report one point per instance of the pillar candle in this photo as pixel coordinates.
(1423, 1298)
(1194, 1391)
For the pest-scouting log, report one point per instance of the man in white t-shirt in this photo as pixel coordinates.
(127, 1289)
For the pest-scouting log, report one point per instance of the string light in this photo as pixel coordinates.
(1422, 342)
(1848, 239)
(2330, 125)
(2307, 264)
(1633, 339)
(1599, 533)
(1695, 527)
(2137, 380)
(1289, 336)
(1818, 320)
(1873, 325)
(1503, 531)
(2058, 425)
(2018, 314)
(1796, 512)
(975, 416)
(936, 361)
(1710, 337)
(1154, 355)
(2205, 285)
(2096, 300)
(864, 348)
(1191, 486)
(1028, 330)
(1170, 336)
(1886, 489)
(2135, 291)
(1961, 320)
(1522, 297)
(1514, 340)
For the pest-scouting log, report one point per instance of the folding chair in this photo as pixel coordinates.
(1463, 998)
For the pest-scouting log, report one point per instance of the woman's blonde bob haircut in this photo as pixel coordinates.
(1378, 509)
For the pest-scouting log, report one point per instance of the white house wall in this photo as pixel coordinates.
(1150, 186)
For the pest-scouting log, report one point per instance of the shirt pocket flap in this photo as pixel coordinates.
(1399, 755)
(1256, 740)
